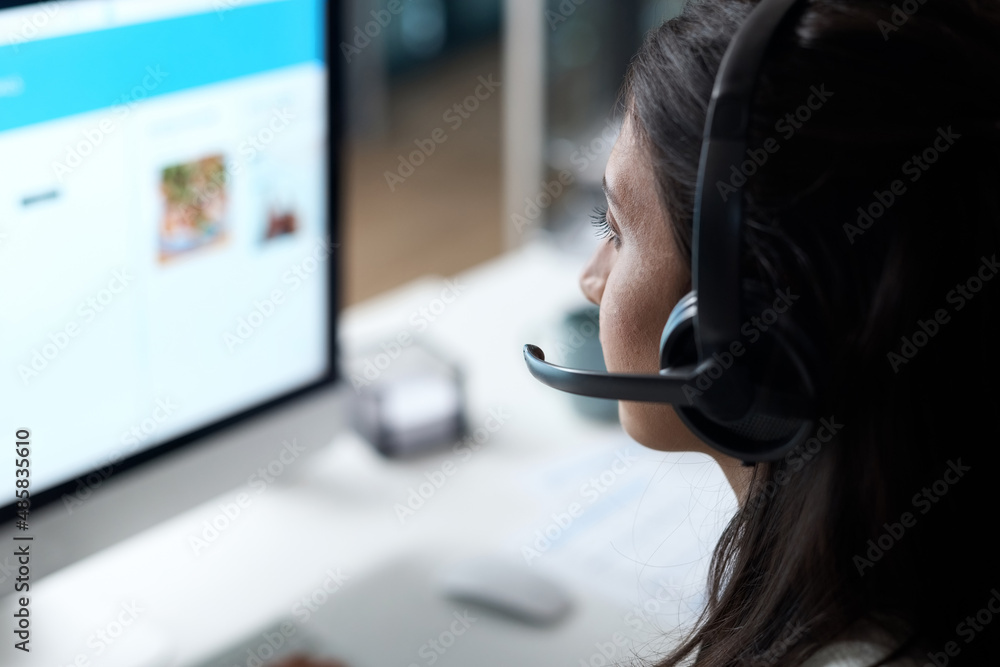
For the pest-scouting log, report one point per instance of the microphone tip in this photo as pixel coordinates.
(535, 351)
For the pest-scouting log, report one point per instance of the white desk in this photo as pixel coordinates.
(333, 514)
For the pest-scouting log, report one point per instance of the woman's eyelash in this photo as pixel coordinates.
(599, 218)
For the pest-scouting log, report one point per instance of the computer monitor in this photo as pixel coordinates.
(168, 252)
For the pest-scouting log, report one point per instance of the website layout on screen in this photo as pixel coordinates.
(163, 246)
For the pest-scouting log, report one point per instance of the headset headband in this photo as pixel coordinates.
(718, 217)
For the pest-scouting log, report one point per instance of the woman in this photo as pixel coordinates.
(879, 215)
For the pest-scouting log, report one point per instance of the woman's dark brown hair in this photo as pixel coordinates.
(880, 206)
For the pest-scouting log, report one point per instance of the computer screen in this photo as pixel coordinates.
(167, 248)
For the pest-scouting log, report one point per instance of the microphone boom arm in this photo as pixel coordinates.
(667, 387)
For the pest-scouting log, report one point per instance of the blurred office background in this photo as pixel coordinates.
(410, 210)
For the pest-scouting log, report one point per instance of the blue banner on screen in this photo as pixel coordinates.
(76, 73)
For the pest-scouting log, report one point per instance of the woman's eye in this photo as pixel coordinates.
(599, 218)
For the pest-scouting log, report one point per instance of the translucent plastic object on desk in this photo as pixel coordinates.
(408, 403)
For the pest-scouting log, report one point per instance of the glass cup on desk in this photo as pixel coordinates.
(578, 338)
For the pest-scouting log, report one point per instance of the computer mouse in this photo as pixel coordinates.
(508, 586)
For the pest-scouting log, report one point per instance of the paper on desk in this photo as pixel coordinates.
(635, 525)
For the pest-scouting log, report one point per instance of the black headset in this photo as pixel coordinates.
(751, 399)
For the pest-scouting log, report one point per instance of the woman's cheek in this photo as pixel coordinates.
(630, 333)
(613, 334)
(630, 325)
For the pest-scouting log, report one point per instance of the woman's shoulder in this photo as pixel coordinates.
(863, 645)
(854, 653)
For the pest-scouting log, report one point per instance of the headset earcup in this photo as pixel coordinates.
(677, 343)
(785, 358)
(781, 373)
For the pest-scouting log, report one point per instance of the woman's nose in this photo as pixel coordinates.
(595, 275)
